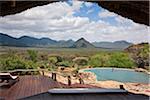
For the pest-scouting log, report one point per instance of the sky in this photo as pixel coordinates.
(73, 20)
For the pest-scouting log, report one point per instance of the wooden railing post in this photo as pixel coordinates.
(81, 81)
(54, 76)
(42, 72)
(69, 80)
(121, 87)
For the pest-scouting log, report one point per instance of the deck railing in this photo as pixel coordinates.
(42, 71)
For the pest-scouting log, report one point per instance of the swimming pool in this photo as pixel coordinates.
(118, 74)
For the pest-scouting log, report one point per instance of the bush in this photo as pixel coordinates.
(120, 59)
(114, 59)
(11, 64)
(99, 60)
(65, 63)
(81, 61)
(32, 55)
(52, 60)
(30, 65)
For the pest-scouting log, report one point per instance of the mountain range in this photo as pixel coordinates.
(26, 41)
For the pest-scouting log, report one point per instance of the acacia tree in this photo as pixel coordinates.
(32, 55)
(11, 63)
(53, 61)
(99, 60)
(81, 61)
(121, 59)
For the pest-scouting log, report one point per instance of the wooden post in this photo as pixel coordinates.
(121, 87)
(54, 76)
(81, 81)
(69, 80)
(42, 72)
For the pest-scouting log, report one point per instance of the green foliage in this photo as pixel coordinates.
(65, 63)
(32, 55)
(121, 59)
(142, 57)
(30, 65)
(144, 52)
(52, 60)
(99, 60)
(12, 63)
(114, 59)
(81, 61)
(32, 59)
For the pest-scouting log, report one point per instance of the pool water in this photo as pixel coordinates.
(121, 75)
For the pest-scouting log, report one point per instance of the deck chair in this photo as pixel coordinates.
(7, 79)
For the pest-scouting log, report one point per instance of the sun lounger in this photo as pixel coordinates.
(7, 79)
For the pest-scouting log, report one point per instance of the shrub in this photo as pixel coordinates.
(82, 61)
(64, 63)
(32, 55)
(52, 60)
(12, 63)
(99, 60)
(120, 59)
(113, 59)
(30, 65)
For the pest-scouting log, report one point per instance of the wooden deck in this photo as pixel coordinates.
(32, 85)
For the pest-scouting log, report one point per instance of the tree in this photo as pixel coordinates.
(32, 55)
(120, 59)
(12, 63)
(64, 63)
(53, 61)
(99, 60)
(81, 61)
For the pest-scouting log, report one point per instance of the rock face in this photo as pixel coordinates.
(138, 11)
(82, 43)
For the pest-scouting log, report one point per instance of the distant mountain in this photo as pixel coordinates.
(30, 41)
(26, 41)
(82, 43)
(115, 45)
(7, 40)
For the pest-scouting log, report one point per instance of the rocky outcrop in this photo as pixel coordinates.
(140, 54)
(138, 11)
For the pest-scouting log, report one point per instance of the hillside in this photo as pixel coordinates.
(27, 41)
(82, 43)
(140, 54)
(116, 45)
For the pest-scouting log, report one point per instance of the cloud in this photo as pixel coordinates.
(57, 21)
(106, 14)
(89, 11)
(88, 4)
